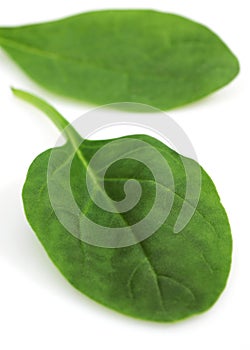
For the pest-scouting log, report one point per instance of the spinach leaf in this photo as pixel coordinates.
(159, 59)
(165, 277)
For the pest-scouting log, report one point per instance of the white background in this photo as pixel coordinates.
(38, 308)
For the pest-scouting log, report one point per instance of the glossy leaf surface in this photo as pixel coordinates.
(159, 59)
(164, 278)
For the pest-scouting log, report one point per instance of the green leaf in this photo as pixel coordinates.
(144, 56)
(165, 277)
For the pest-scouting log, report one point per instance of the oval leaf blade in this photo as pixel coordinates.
(164, 278)
(144, 56)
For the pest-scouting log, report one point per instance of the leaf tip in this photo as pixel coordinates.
(15, 91)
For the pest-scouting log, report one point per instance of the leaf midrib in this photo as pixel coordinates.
(156, 276)
(153, 271)
(60, 57)
(55, 56)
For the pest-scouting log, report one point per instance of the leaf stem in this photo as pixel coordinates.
(60, 122)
